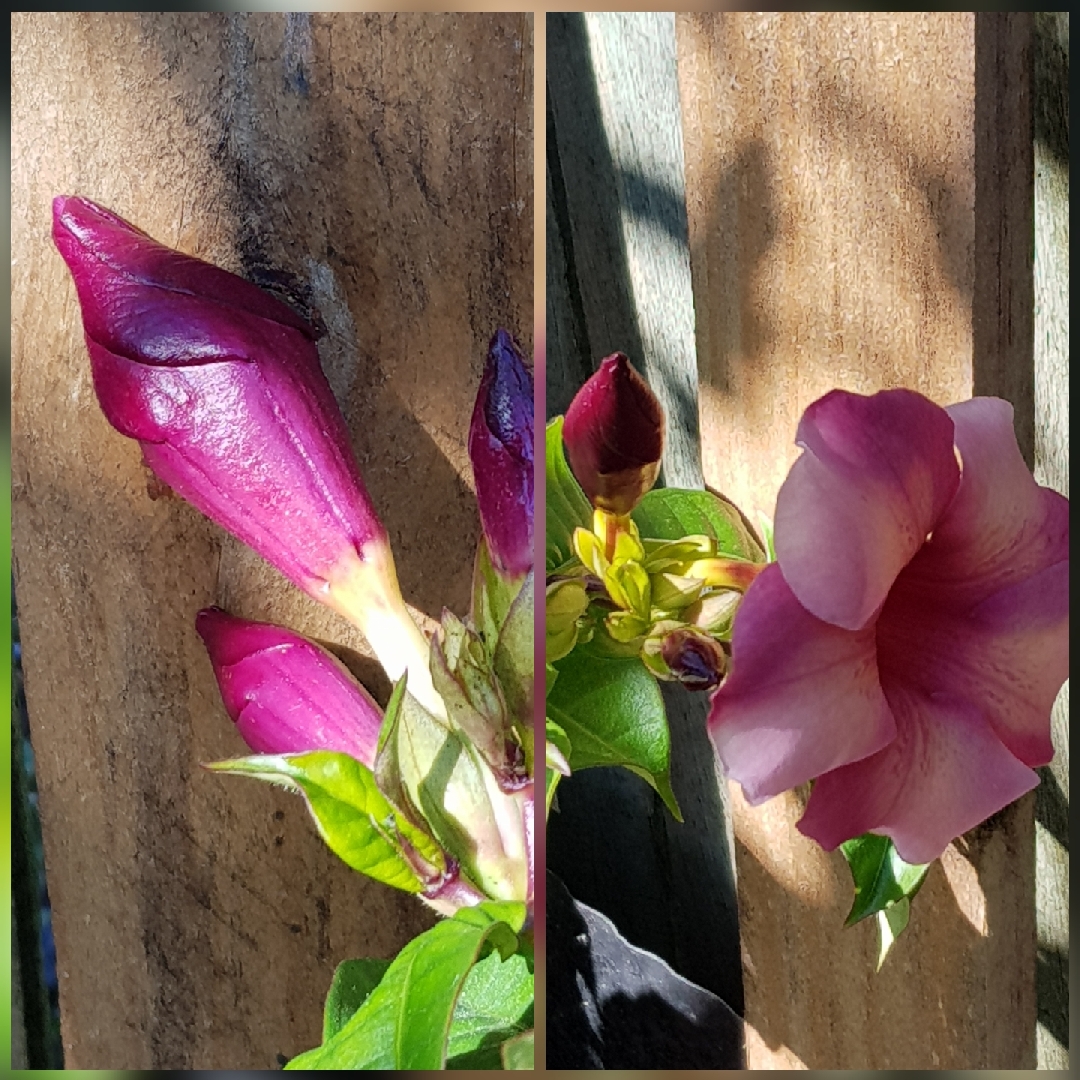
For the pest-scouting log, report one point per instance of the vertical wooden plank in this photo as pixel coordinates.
(618, 279)
(840, 185)
(614, 108)
(378, 171)
(1051, 137)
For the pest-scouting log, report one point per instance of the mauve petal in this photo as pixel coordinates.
(802, 697)
(875, 476)
(286, 694)
(1001, 527)
(1006, 657)
(945, 772)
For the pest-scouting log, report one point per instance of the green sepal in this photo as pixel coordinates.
(492, 597)
(514, 659)
(447, 779)
(357, 822)
(557, 767)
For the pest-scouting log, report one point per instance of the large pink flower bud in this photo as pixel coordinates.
(220, 383)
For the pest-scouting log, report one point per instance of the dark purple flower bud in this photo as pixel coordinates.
(286, 694)
(614, 436)
(220, 383)
(501, 450)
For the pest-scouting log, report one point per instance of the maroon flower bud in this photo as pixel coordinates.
(501, 450)
(614, 436)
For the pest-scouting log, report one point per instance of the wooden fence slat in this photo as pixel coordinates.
(1051, 136)
(842, 186)
(618, 279)
(381, 167)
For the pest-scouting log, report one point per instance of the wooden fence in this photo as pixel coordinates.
(378, 168)
(858, 193)
(757, 207)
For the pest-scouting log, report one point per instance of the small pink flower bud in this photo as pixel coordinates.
(614, 436)
(286, 694)
(501, 450)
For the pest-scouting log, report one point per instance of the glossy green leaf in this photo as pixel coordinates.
(353, 982)
(672, 513)
(496, 1003)
(354, 818)
(880, 876)
(404, 1023)
(517, 1053)
(567, 506)
(613, 714)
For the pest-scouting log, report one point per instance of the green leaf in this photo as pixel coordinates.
(672, 513)
(404, 1023)
(567, 506)
(353, 982)
(880, 876)
(612, 711)
(517, 1053)
(496, 1003)
(354, 818)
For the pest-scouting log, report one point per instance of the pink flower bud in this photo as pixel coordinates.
(501, 450)
(221, 385)
(286, 694)
(614, 436)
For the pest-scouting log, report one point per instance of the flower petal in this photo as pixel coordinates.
(1001, 527)
(875, 476)
(803, 696)
(982, 611)
(945, 772)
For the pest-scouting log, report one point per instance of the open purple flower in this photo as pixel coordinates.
(501, 450)
(614, 436)
(220, 383)
(286, 694)
(907, 647)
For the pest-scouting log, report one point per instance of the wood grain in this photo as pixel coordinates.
(859, 204)
(377, 171)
